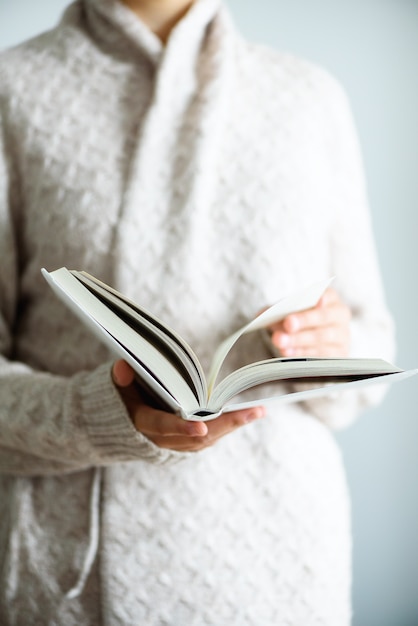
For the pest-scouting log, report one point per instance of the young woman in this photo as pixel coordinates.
(205, 177)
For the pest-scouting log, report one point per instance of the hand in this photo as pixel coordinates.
(167, 430)
(323, 330)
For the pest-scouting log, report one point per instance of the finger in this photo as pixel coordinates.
(333, 314)
(328, 309)
(320, 336)
(325, 351)
(276, 327)
(215, 430)
(229, 422)
(219, 427)
(122, 373)
(183, 443)
(155, 423)
(328, 341)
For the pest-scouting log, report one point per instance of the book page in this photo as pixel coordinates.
(157, 371)
(304, 299)
(315, 392)
(169, 343)
(318, 370)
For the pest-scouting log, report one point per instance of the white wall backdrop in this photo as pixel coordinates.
(372, 47)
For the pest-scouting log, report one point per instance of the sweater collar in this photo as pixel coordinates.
(115, 25)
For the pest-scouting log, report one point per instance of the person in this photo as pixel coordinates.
(205, 177)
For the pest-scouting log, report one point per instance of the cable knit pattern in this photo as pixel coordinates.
(205, 180)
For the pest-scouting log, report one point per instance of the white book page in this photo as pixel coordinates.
(308, 394)
(108, 327)
(169, 343)
(167, 333)
(319, 369)
(304, 299)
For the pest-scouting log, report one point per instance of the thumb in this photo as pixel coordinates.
(122, 373)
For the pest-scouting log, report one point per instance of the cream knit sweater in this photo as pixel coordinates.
(205, 180)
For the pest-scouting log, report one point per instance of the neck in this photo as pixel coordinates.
(160, 15)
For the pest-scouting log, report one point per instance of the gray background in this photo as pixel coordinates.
(372, 47)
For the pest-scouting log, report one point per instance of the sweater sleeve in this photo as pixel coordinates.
(51, 423)
(354, 260)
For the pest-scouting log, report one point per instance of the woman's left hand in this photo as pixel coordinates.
(322, 331)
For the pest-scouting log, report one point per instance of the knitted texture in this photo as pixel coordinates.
(205, 180)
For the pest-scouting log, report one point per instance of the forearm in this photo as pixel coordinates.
(52, 424)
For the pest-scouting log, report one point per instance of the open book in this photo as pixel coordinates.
(169, 371)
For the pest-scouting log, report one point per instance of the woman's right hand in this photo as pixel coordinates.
(167, 430)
